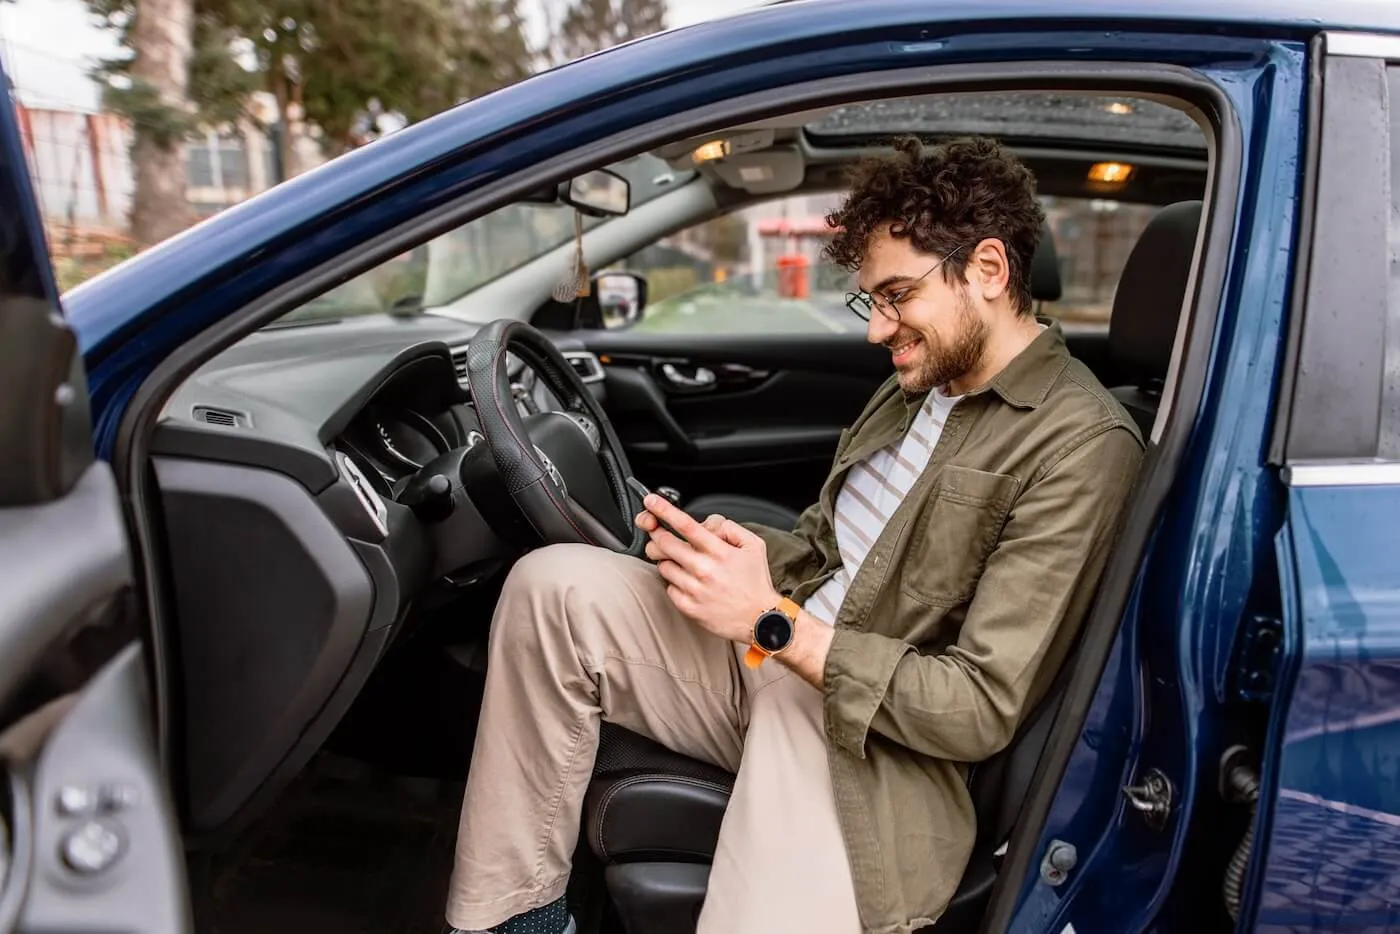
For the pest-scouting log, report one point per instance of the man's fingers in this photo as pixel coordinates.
(681, 521)
(646, 521)
(671, 548)
(714, 522)
(735, 534)
(677, 576)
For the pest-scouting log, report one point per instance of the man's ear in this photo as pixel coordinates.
(989, 270)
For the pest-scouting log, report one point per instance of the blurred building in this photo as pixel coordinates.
(80, 162)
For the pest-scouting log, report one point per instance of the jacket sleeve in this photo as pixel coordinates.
(965, 703)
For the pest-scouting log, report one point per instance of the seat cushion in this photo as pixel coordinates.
(744, 509)
(646, 802)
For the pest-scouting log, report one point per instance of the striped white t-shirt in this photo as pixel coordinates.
(871, 492)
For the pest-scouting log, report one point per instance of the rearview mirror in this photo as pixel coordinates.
(600, 193)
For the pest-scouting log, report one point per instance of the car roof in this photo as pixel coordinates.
(1304, 15)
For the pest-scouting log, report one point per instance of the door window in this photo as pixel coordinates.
(759, 269)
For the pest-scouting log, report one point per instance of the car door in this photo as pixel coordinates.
(87, 837)
(1328, 825)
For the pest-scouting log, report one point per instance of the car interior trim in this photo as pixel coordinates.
(214, 510)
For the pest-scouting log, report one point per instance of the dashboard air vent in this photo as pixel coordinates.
(585, 364)
(223, 418)
(459, 363)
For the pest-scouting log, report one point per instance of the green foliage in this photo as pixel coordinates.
(340, 60)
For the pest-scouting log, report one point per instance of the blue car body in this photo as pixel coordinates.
(1235, 547)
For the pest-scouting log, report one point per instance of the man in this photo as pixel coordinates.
(913, 617)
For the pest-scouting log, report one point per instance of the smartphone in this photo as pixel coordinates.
(642, 492)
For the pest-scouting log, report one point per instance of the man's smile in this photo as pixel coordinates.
(900, 353)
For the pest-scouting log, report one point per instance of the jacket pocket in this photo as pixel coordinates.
(955, 533)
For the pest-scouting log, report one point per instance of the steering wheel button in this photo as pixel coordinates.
(76, 801)
(92, 847)
(118, 796)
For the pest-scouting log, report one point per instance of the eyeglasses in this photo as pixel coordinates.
(888, 305)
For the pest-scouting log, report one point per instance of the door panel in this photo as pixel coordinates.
(88, 841)
(752, 414)
(92, 843)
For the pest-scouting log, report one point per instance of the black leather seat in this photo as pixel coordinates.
(1045, 287)
(1147, 307)
(653, 816)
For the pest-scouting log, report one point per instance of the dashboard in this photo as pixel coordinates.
(293, 566)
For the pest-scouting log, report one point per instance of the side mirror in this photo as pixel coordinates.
(601, 193)
(622, 296)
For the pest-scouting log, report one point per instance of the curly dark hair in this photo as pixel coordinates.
(954, 194)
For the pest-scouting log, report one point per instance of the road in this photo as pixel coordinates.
(732, 312)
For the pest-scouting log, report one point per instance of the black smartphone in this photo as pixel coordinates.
(642, 492)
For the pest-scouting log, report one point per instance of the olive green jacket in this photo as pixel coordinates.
(961, 614)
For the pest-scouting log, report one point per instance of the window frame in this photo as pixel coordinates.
(1333, 399)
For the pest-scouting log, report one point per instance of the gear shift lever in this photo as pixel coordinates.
(671, 494)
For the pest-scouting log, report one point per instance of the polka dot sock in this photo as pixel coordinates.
(546, 919)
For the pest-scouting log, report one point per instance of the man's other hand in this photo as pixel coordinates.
(718, 575)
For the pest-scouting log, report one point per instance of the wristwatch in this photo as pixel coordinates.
(772, 632)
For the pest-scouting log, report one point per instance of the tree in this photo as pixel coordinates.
(154, 95)
(330, 64)
(590, 26)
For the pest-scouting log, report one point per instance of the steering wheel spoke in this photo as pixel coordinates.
(563, 470)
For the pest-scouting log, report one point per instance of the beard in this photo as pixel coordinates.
(938, 361)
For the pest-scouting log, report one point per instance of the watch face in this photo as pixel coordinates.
(773, 631)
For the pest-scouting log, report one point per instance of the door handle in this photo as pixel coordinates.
(702, 379)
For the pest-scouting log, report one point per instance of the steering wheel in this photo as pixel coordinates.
(565, 471)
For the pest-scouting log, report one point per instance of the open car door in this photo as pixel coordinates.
(88, 840)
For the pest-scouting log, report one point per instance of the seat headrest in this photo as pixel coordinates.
(1045, 269)
(1150, 293)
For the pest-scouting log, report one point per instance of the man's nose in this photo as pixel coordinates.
(880, 328)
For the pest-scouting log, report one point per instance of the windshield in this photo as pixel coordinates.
(447, 267)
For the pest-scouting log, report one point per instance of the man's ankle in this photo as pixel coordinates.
(553, 918)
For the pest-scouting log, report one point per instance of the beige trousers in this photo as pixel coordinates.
(583, 635)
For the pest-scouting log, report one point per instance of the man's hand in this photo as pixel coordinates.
(718, 576)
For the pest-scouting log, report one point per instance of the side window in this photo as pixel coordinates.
(1092, 239)
(757, 270)
(1390, 398)
(1342, 399)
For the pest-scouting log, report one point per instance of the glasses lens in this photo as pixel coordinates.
(858, 304)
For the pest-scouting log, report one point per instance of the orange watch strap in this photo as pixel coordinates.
(755, 655)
